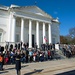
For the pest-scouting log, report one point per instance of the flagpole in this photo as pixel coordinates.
(35, 2)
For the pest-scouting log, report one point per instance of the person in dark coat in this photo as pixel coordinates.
(6, 46)
(18, 62)
(21, 44)
(11, 46)
(18, 45)
(27, 53)
(15, 46)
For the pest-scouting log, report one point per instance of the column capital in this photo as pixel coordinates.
(30, 19)
(37, 21)
(50, 23)
(22, 18)
(44, 23)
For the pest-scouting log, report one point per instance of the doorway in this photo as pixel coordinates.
(32, 40)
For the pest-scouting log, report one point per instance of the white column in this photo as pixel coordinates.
(37, 33)
(30, 33)
(9, 27)
(58, 34)
(49, 32)
(22, 30)
(44, 33)
(13, 29)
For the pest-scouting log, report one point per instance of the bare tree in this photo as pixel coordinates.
(72, 32)
(70, 38)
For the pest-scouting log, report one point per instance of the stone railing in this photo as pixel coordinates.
(8, 43)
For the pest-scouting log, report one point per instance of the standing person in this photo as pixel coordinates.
(1, 61)
(24, 45)
(34, 56)
(36, 46)
(18, 45)
(27, 44)
(15, 46)
(27, 54)
(18, 62)
(21, 43)
(31, 55)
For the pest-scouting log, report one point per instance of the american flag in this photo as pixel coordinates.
(45, 38)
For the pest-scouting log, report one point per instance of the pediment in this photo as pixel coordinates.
(35, 10)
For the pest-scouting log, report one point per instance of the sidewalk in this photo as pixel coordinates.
(42, 68)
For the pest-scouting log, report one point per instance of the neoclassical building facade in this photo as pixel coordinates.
(28, 24)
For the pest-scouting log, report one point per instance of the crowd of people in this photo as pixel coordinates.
(46, 52)
(68, 50)
(22, 54)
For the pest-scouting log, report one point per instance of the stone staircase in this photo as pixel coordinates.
(59, 55)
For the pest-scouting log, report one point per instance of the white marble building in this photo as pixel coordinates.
(27, 24)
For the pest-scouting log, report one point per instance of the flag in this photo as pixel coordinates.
(45, 38)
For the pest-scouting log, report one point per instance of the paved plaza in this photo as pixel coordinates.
(54, 67)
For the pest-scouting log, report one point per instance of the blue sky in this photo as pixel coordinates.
(63, 9)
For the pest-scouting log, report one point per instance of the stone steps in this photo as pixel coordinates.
(41, 68)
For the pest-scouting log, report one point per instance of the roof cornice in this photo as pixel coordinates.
(21, 7)
(4, 8)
